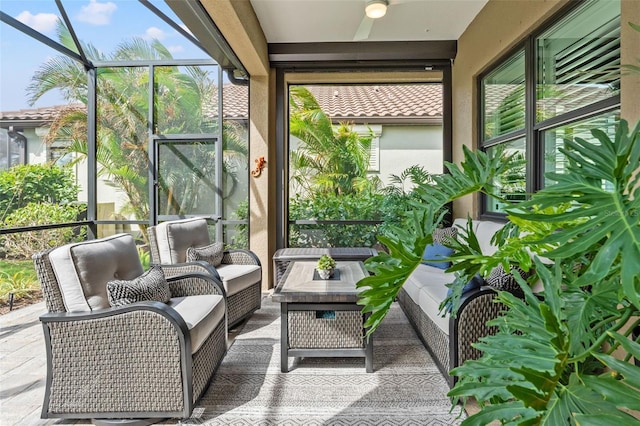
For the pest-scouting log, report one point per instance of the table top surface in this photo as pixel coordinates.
(338, 253)
(298, 285)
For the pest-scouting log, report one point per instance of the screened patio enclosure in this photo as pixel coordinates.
(144, 131)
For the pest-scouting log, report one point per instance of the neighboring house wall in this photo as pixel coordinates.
(403, 146)
(399, 147)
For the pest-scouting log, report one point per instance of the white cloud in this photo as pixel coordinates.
(154, 33)
(175, 49)
(96, 13)
(42, 22)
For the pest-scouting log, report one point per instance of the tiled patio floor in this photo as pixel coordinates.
(23, 367)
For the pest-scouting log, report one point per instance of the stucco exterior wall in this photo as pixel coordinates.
(630, 54)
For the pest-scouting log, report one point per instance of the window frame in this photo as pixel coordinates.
(533, 131)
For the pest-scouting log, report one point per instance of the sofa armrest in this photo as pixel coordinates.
(242, 257)
(142, 350)
(476, 308)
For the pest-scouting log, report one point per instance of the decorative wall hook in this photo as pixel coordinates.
(260, 163)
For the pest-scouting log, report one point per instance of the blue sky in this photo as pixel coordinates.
(103, 23)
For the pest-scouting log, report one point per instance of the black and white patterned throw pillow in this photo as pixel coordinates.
(442, 235)
(150, 286)
(506, 281)
(212, 254)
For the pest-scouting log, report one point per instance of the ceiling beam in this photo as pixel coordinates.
(427, 52)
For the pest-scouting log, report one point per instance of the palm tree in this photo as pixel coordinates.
(122, 111)
(329, 160)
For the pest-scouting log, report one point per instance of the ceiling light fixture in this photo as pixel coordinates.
(376, 8)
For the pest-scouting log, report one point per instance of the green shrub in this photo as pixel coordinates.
(388, 206)
(25, 244)
(19, 284)
(35, 183)
(362, 206)
(238, 236)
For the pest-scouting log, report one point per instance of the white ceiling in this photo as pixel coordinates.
(304, 21)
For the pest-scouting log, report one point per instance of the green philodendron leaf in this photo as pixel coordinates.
(526, 359)
(629, 373)
(605, 419)
(587, 306)
(613, 390)
(508, 413)
(529, 397)
(568, 401)
(612, 231)
(406, 245)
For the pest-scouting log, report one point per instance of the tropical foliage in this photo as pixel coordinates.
(37, 194)
(551, 361)
(22, 245)
(330, 160)
(406, 242)
(331, 183)
(18, 285)
(180, 97)
(33, 183)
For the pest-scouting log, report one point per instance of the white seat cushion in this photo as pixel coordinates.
(237, 277)
(427, 287)
(202, 313)
(424, 275)
(431, 296)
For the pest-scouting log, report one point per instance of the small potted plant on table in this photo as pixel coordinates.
(325, 266)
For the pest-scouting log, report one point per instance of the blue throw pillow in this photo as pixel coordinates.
(433, 254)
(476, 282)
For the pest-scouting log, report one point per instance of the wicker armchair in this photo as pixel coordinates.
(142, 360)
(239, 270)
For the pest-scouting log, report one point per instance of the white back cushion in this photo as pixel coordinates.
(83, 270)
(176, 236)
(484, 230)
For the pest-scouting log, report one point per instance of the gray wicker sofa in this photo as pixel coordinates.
(137, 359)
(449, 339)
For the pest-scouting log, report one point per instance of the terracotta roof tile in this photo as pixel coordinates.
(43, 114)
(339, 102)
(379, 101)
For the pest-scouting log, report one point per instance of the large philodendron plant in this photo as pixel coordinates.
(552, 360)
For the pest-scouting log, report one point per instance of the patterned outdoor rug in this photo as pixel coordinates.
(406, 387)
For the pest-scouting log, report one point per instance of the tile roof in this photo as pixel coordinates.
(353, 103)
(40, 115)
(380, 101)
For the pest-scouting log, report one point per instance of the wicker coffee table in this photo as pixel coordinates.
(320, 318)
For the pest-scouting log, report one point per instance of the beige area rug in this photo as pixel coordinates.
(406, 387)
